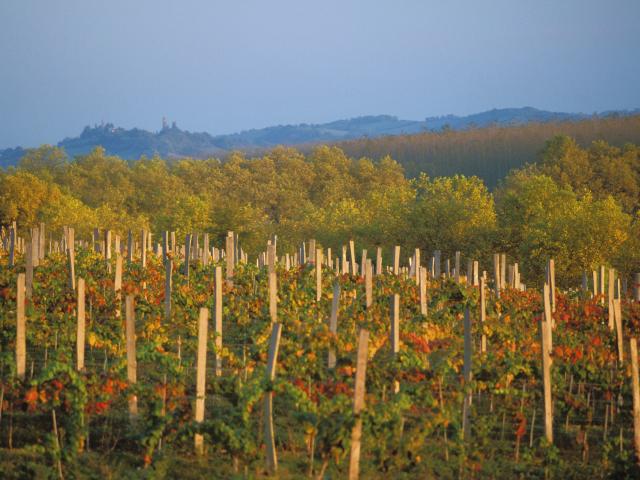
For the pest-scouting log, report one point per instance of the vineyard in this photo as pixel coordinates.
(152, 357)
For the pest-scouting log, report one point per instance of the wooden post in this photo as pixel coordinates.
(416, 265)
(273, 295)
(269, 438)
(117, 284)
(551, 280)
(437, 255)
(601, 292)
(635, 378)
(466, 406)
(636, 287)
(229, 255)
(496, 274)
(396, 260)
(546, 342)
(610, 297)
(205, 250)
(201, 372)
(12, 245)
(619, 330)
(217, 317)
(41, 243)
(318, 269)
(333, 322)
(483, 314)
(71, 266)
(165, 246)
(358, 403)
(143, 248)
(29, 263)
(395, 332)
(80, 336)
(21, 328)
(368, 283)
(96, 240)
(107, 244)
(395, 323)
(547, 310)
(130, 247)
(168, 282)
(457, 267)
(312, 251)
(379, 261)
(187, 256)
(594, 274)
(130, 333)
(423, 290)
(476, 273)
(35, 249)
(353, 263)
(343, 261)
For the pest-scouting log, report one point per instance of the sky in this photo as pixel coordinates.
(223, 67)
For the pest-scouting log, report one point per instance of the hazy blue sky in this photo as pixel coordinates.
(225, 66)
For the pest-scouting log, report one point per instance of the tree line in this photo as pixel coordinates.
(578, 205)
(489, 152)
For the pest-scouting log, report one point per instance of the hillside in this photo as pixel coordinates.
(172, 142)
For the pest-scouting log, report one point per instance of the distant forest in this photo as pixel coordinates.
(578, 204)
(489, 152)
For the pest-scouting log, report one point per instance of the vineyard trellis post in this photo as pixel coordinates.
(546, 342)
(217, 317)
(423, 290)
(395, 332)
(466, 406)
(358, 403)
(496, 274)
(187, 256)
(617, 316)
(21, 332)
(130, 335)
(201, 372)
(167, 288)
(130, 247)
(12, 245)
(635, 382)
(269, 437)
(610, 298)
(396, 260)
(29, 264)
(368, 283)
(229, 255)
(117, 284)
(273, 293)
(318, 271)
(352, 258)
(483, 314)
(363, 263)
(80, 333)
(333, 322)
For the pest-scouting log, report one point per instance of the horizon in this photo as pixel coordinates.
(224, 69)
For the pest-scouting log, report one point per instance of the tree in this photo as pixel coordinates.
(453, 213)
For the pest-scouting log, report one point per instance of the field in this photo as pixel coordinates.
(124, 359)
